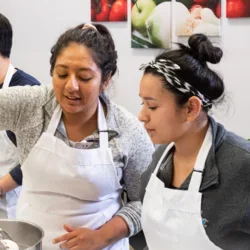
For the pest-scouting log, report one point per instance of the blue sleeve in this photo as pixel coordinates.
(17, 175)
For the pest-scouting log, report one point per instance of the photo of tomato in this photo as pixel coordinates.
(109, 10)
(237, 8)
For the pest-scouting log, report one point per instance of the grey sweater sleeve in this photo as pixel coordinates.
(17, 103)
(10, 106)
(138, 159)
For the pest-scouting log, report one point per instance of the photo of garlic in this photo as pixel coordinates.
(197, 16)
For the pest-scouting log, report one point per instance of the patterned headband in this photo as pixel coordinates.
(167, 69)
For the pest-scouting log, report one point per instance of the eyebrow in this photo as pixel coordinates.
(66, 67)
(148, 98)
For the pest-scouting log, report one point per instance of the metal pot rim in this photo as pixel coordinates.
(29, 223)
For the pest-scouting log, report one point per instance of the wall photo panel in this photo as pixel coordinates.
(109, 10)
(151, 23)
(197, 16)
(237, 8)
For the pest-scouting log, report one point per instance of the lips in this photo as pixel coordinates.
(73, 100)
(149, 130)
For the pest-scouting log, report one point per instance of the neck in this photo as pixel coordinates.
(188, 146)
(4, 65)
(82, 118)
(79, 126)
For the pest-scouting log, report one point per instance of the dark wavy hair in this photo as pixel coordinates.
(6, 35)
(100, 43)
(193, 60)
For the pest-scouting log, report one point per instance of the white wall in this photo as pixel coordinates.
(37, 25)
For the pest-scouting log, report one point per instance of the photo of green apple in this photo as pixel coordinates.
(151, 23)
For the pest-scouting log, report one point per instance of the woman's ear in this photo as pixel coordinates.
(194, 108)
(106, 83)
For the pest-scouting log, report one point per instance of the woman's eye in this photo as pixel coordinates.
(62, 76)
(152, 108)
(84, 79)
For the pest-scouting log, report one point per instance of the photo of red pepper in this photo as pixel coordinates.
(237, 8)
(109, 10)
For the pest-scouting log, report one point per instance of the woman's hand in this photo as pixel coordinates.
(80, 239)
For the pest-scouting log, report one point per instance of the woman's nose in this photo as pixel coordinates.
(143, 116)
(72, 84)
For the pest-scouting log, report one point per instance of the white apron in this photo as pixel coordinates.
(8, 160)
(171, 219)
(65, 185)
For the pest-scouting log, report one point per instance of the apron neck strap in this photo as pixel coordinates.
(102, 125)
(55, 120)
(199, 166)
(168, 148)
(8, 76)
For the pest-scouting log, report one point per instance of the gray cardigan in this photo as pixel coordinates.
(27, 112)
(225, 187)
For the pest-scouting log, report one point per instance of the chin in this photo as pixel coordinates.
(159, 140)
(71, 109)
(155, 140)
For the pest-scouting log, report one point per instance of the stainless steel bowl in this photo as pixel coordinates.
(28, 236)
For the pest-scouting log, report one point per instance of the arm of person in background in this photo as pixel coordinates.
(7, 183)
(9, 113)
(17, 175)
(11, 181)
(20, 78)
(127, 221)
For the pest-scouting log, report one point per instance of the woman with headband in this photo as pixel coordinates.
(78, 149)
(196, 190)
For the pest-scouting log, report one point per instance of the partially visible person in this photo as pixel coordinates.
(9, 77)
(196, 190)
(78, 149)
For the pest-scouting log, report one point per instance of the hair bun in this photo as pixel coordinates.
(203, 49)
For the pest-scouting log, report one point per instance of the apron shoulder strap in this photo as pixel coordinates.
(102, 127)
(55, 119)
(9, 74)
(199, 166)
(168, 148)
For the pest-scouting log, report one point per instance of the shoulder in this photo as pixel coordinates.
(20, 78)
(234, 153)
(124, 118)
(235, 144)
(129, 126)
(121, 119)
(132, 135)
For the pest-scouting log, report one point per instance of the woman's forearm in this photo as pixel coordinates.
(114, 230)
